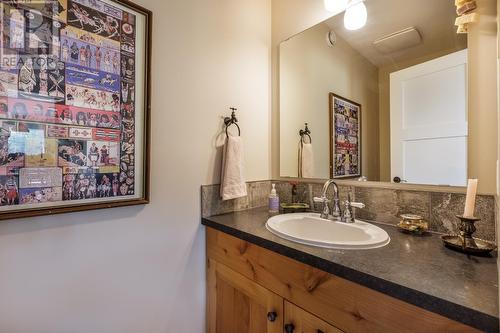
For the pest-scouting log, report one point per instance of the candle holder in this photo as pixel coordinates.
(464, 241)
(467, 229)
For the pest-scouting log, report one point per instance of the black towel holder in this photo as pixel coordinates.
(305, 132)
(232, 121)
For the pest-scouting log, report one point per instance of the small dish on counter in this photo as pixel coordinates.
(294, 207)
(413, 224)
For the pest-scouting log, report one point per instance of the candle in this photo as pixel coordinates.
(470, 199)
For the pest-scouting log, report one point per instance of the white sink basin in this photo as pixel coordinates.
(310, 229)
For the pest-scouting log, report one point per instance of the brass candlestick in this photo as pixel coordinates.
(465, 242)
(467, 228)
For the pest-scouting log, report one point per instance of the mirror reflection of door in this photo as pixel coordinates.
(429, 122)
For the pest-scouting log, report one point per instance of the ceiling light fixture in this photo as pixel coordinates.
(355, 15)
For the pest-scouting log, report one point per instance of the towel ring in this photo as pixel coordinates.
(303, 140)
(232, 121)
(305, 132)
(239, 131)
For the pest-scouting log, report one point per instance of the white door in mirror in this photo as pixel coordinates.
(429, 122)
(310, 229)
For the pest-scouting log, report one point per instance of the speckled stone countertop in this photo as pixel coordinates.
(417, 270)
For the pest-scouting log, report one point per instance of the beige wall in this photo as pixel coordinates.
(289, 17)
(483, 115)
(497, 197)
(498, 113)
(142, 269)
(309, 71)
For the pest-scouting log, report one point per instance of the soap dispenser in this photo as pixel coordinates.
(274, 201)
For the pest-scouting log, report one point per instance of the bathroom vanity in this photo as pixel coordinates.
(382, 111)
(258, 282)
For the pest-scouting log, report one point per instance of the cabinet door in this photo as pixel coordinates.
(236, 304)
(301, 321)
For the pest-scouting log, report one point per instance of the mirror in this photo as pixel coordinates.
(387, 102)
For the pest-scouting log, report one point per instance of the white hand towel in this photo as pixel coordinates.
(232, 180)
(307, 160)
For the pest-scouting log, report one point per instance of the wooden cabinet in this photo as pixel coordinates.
(236, 304)
(239, 305)
(245, 282)
(298, 320)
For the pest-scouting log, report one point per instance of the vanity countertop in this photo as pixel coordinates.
(415, 269)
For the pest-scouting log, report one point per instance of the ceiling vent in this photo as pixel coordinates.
(398, 41)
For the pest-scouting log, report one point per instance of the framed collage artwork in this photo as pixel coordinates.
(345, 137)
(74, 106)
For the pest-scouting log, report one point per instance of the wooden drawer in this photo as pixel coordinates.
(298, 320)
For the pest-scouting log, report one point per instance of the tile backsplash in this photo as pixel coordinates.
(383, 205)
(212, 204)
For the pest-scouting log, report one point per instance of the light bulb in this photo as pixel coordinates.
(335, 6)
(355, 16)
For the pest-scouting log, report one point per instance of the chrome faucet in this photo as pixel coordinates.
(336, 214)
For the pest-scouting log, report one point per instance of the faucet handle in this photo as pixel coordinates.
(349, 203)
(321, 199)
(357, 204)
(348, 216)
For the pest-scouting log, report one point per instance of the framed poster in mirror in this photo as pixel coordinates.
(74, 106)
(345, 137)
